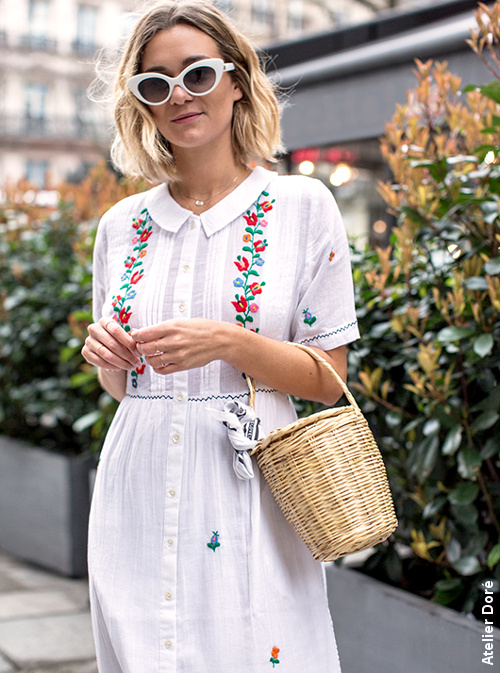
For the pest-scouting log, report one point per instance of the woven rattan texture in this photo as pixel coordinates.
(328, 477)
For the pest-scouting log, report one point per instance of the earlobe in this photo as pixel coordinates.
(238, 93)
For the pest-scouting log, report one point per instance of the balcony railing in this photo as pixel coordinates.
(64, 129)
(37, 43)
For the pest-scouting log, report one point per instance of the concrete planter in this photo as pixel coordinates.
(381, 628)
(44, 506)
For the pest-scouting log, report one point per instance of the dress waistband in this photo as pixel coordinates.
(197, 398)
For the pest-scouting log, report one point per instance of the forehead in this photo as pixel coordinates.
(172, 48)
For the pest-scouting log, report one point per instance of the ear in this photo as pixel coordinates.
(237, 92)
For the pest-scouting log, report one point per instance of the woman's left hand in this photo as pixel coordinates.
(176, 345)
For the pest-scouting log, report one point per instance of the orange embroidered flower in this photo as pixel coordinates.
(247, 238)
(275, 651)
(332, 255)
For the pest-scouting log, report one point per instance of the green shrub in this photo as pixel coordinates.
(49, 396)
(429, 357)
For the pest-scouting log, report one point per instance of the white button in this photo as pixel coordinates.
(170, 541)
(186, 268)
(180, 397)
(182, 308)
(168, 595)
(175, 438)
(171, 493)
(168, 644)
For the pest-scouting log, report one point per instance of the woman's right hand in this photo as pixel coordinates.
(108, 346)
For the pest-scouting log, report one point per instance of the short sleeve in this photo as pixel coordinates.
(325, 316)
(100, 280)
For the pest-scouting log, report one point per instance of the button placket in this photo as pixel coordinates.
(176, 436)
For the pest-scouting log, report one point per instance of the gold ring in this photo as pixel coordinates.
(162, 363)
(157, 349)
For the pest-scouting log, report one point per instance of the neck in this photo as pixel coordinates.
(206, 171)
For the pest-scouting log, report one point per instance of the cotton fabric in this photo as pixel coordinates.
(193, 570)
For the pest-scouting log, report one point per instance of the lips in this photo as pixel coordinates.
(188, 116)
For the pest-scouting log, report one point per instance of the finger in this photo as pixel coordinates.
(150, 348)
(100, 353)
(118, 333)
(100, 336)
(149, 334)
(93, 358)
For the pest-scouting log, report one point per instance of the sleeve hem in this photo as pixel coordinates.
(338, 336)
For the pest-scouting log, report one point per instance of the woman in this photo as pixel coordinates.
(193, 568)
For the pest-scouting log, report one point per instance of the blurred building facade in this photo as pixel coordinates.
(48, 126)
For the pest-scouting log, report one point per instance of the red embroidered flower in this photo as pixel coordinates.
(137, 223)
(243, 265)
(124, 316)
(116, 300)
(241, 304)
(145, 235)
(140, 369)
(130, 262)
(136, 277)
(252, 220)
(259, 246)
(266, 206)
(256, 288)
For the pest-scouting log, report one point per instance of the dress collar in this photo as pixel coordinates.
(169, 215)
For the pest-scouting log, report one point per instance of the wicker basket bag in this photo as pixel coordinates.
(328, 477)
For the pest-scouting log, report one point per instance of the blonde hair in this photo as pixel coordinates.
(139, 150)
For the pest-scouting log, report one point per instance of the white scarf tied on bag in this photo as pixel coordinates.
(243, 431)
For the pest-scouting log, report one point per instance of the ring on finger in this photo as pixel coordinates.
(157, 349)
(162, 363)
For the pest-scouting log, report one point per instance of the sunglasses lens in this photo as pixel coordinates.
(154, 90)
(200, 79)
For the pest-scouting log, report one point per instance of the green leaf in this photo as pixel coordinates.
(476, 283)
(465, 494)
(493, 556)
(483, 345)
(491, 90)
(431, 427)
(467, 565)
(491, 448)
(448, 584)
(485, 421)
(469, 462)
(86, 421)
(460, 158)
(449, 334)
(452, 441)
(493, 266)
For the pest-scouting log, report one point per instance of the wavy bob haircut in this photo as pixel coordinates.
(139, 149)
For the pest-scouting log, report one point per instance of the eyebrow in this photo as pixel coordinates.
(187, 61)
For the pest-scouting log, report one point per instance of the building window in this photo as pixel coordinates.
(36, 172)
(296, 16)
(39, 18)
(34, 111)
(85, 114)
(87, 22)
(262, 12)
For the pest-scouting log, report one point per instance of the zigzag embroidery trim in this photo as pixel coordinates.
(200, 399)
(337, 331)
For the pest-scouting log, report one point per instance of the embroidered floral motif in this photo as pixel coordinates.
(332, 255)
(274, 656)
(309, 319)
(133, 274)
(214, 541)
(246, 264)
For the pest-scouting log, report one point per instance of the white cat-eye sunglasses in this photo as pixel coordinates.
(198, 79)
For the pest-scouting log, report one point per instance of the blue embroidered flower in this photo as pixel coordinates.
(214, 540)
(131, 294)
(309, 319)
(124, 277)
(239, 282)
(260, 261)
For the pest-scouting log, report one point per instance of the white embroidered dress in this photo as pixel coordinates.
(193, 570)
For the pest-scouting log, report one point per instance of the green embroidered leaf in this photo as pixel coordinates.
(249, 318)
(127, 328)
(267, 194)
(247, 249)
(249, 229)
(253, 272)
(258, 231)
(260, 214)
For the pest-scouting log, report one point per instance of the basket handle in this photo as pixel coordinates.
(318, 358)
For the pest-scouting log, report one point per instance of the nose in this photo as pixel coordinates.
(179, 95)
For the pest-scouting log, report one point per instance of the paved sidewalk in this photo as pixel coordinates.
(44, 621)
